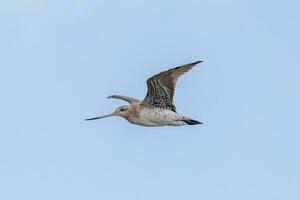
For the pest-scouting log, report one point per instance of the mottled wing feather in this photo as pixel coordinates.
(161, 87)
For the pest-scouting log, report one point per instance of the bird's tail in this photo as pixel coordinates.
(192, 122)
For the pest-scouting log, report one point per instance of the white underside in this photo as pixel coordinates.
(158, 117)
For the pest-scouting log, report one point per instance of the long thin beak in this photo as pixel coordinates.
(101, 117)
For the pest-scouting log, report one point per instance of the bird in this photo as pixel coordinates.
(157, 108)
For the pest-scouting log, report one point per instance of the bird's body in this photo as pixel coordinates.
(155, 117)
(157, 109)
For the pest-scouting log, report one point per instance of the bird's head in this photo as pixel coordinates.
(123, 111)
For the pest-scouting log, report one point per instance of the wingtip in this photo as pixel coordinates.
(192, 122)
(197, 62)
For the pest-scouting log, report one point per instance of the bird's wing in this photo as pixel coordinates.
(161, 87)
(130, 100)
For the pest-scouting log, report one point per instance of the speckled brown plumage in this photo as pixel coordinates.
(161, 87)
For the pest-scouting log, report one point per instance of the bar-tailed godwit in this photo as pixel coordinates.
(157, 109)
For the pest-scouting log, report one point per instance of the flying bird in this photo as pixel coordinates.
(157, 108)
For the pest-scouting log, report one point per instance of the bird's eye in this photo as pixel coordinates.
(122, 109)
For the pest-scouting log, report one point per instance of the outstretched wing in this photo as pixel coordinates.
(161, 87)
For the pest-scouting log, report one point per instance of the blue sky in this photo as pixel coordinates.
(59, 60)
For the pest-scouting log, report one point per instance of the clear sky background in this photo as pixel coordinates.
(59, 60)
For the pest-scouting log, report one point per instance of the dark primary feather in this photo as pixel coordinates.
(192, 122)
(161, 87)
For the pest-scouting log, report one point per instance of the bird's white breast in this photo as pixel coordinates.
(158, 117)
